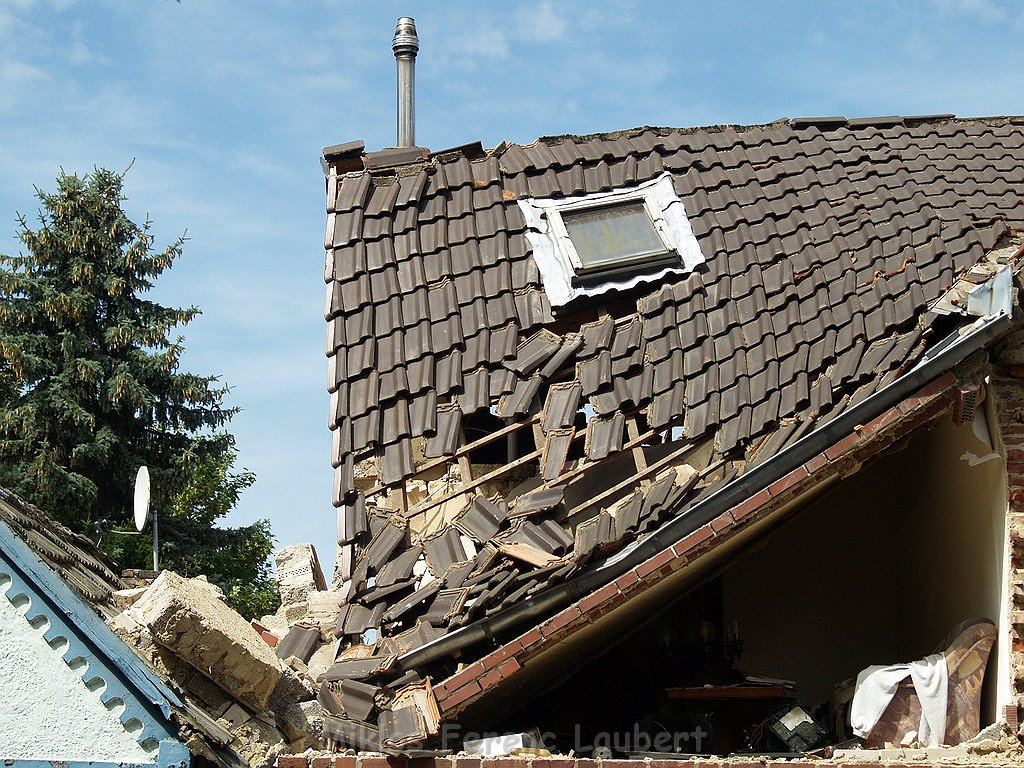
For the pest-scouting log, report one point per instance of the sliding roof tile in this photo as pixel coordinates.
(445, 441)
(561, 405)
(443, 550)
(555, 452)
(520, 400)
(605, 435)
(532, 352)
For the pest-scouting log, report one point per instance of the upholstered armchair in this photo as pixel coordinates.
(967, 649)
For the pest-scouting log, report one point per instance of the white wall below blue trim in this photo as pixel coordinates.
(50, 713)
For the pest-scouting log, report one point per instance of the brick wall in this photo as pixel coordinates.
(1009, 394)
(902, 759)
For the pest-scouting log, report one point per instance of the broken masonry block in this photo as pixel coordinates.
(298, 573)
(188, 618)
(125, 598)
(323, 609)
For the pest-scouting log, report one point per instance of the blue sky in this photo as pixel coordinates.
(222, 108)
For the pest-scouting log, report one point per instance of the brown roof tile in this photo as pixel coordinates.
(824, 241)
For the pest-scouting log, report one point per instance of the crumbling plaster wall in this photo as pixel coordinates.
(48, 713)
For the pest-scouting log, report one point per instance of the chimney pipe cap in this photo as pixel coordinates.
(405, 42)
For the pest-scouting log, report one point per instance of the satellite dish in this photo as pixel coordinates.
(141, 497)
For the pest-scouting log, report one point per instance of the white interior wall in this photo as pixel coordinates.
(880, 569)
(952, 534)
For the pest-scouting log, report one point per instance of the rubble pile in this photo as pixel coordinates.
(251, 687)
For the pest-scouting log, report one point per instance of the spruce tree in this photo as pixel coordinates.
(90, 389)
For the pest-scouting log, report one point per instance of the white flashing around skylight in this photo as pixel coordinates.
(554, 253)
(993, 297)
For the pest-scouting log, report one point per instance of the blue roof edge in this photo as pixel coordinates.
(81, 621)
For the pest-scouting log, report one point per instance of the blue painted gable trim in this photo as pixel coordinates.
(170, 762)
(75, 631)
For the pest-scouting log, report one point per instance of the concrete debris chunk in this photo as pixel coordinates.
(298, 573)
(322, 611)
(274, 624)
(292, 687)
(314, 717)
(125, 598)
(321, 660)
(188, 618)
(258, 742)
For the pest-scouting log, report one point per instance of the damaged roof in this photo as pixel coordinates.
(487, 445)
(72, 556)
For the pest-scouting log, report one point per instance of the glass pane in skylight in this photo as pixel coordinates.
(611, 234)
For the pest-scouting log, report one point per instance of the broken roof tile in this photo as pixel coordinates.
(399, 567)
(444, 549)
(482, 518)
(604, 436)
(520, 400)
(561, 405)
(446, 604)
(384, 543)
(300, 642)
(358, 669)
(406, 604)
(533, 352)
(528, 554)
(595, 373)
(357, 698)
(556, 452)
(351, 733)
(445, 440)
(536, 501)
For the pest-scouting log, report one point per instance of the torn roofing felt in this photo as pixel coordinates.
(486, 446)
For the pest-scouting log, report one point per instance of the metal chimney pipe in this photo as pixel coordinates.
(405, 45)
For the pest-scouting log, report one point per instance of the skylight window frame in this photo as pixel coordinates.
(563, 275)
(628, 263)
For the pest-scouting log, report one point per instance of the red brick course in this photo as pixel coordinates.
(1009, 399)
(377, 761)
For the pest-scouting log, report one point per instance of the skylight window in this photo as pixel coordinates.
(592, 244)
(612, 236)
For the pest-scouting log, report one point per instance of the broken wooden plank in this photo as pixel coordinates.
(464, 450)
(528, 554)
(631, 481)
(638, 449)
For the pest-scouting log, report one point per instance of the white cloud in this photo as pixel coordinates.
(541, 23)
(80, 54)
(15, 73)
(481, 42)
